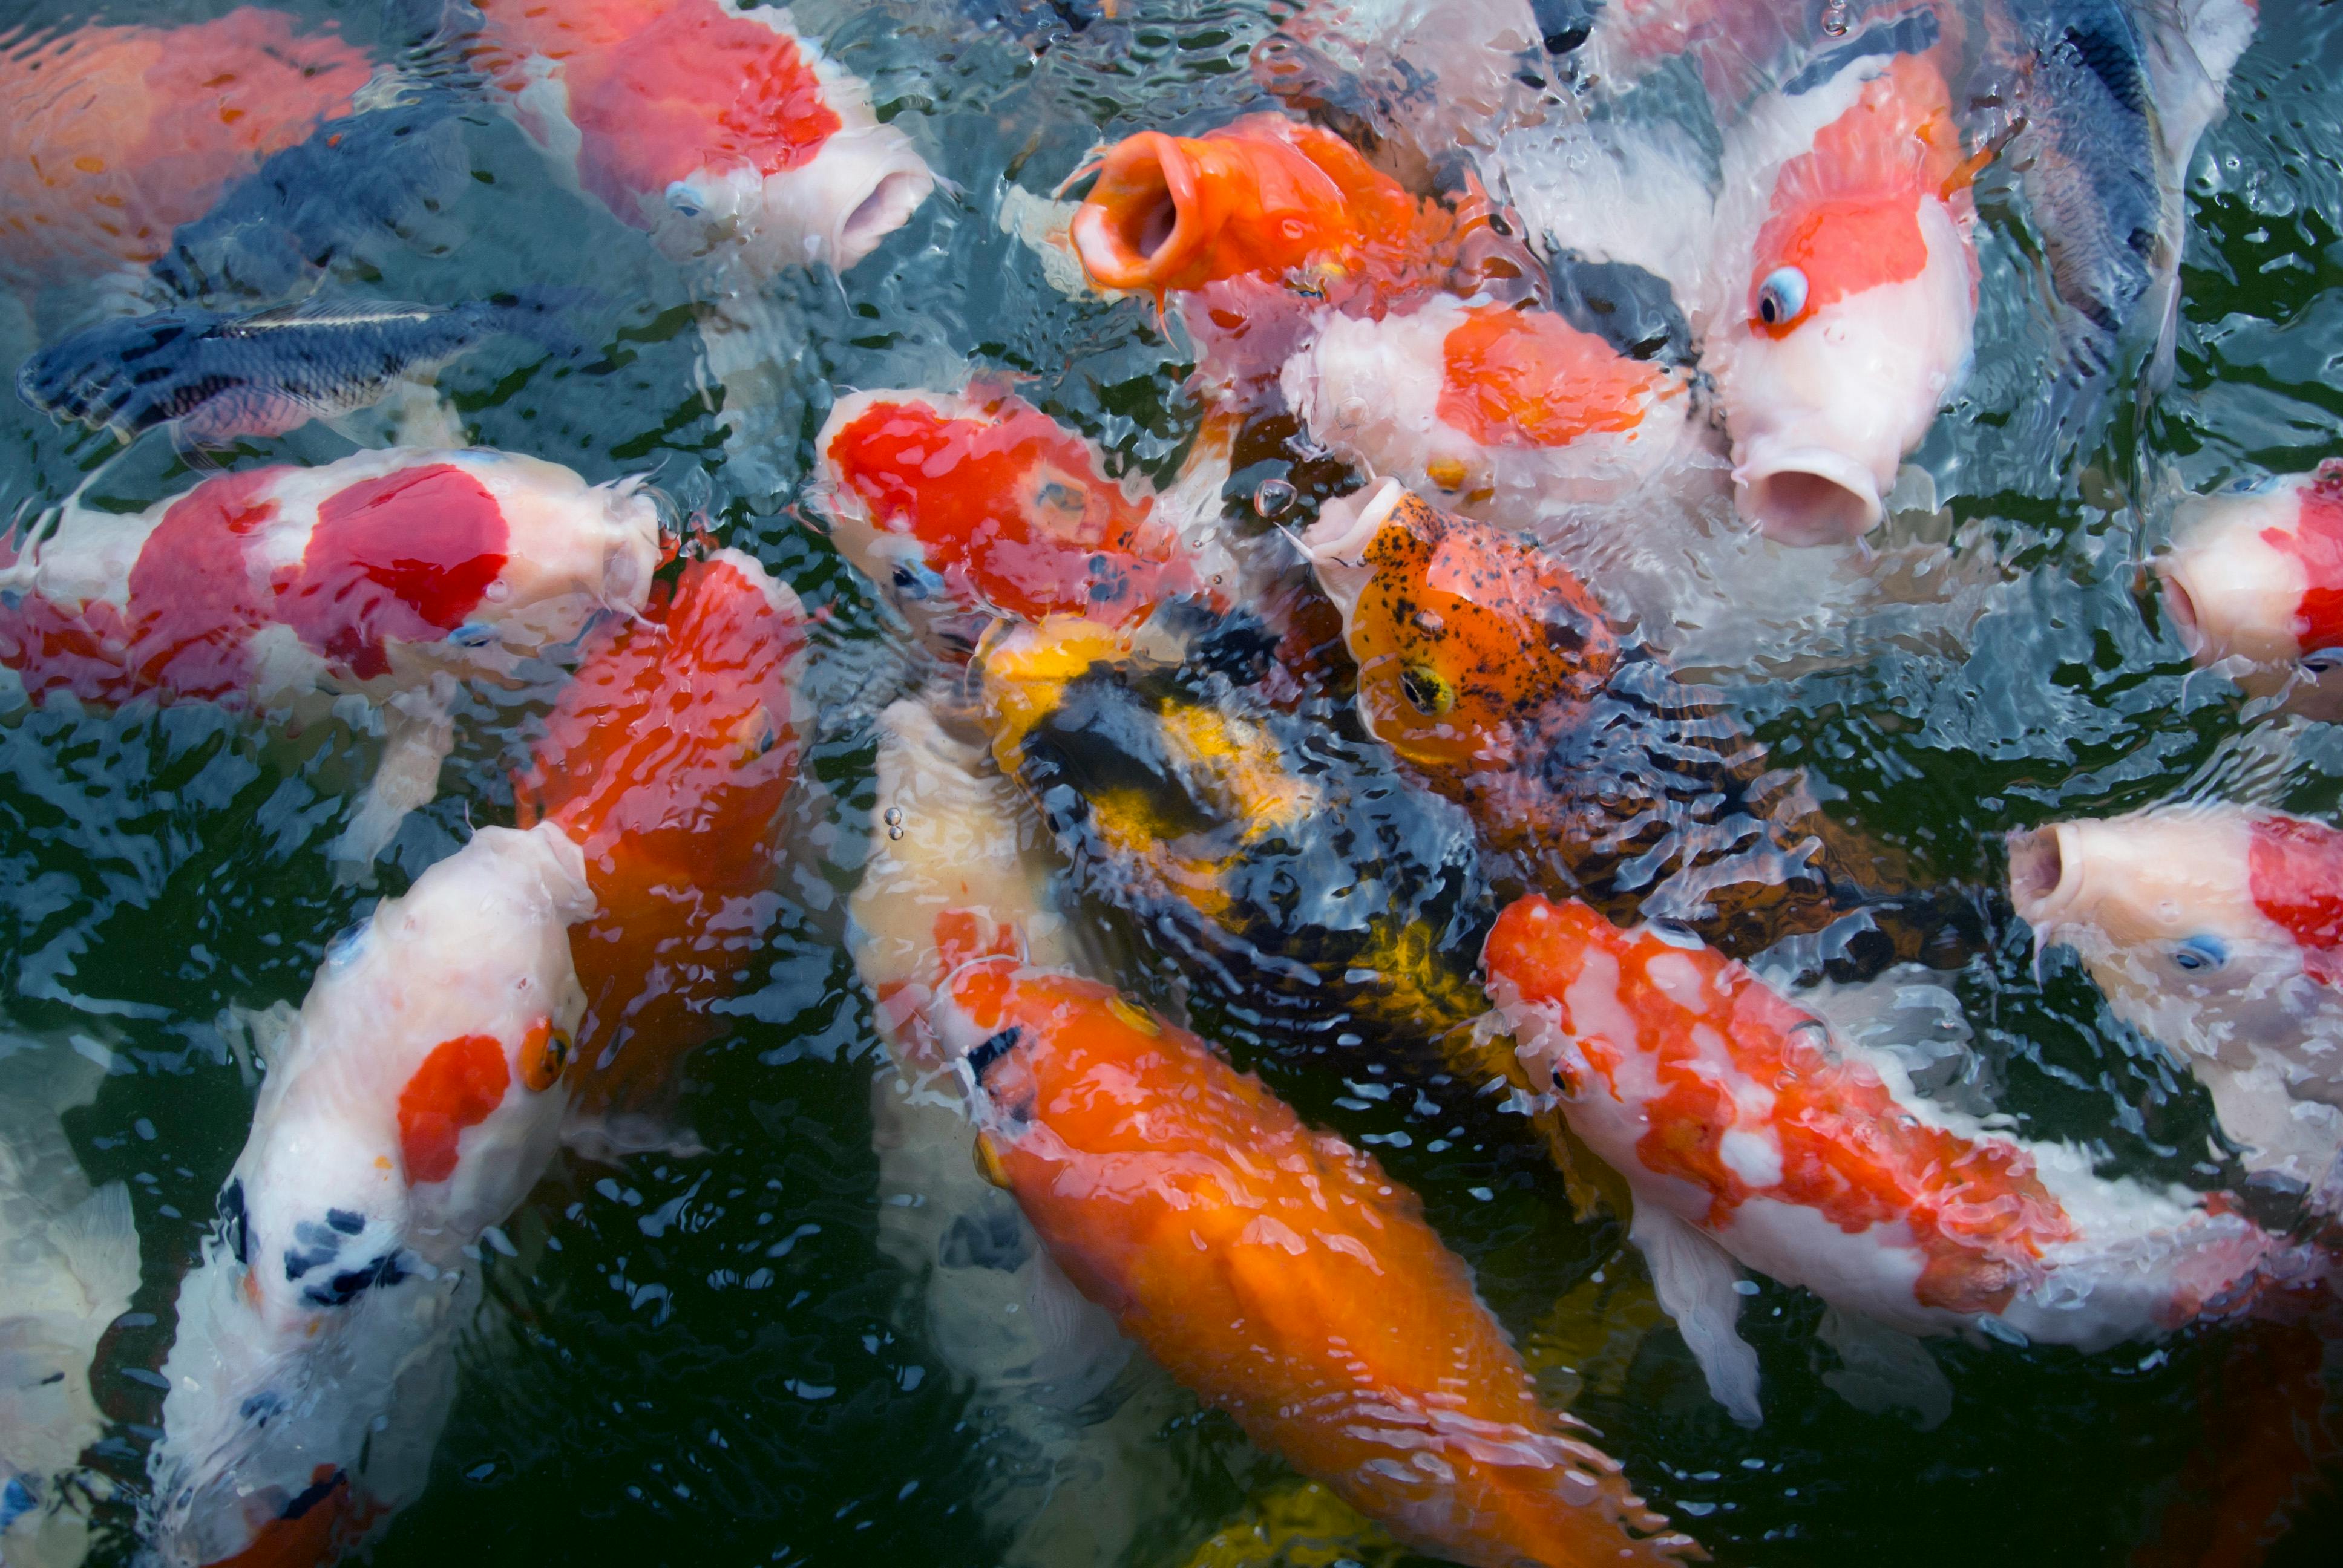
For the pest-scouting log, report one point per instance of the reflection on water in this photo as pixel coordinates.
(756, 1325)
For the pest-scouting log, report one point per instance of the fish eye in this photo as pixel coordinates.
(2201, 952)
(2318, 666)
(1781, 297)
(1425, 689)
(544, 1053)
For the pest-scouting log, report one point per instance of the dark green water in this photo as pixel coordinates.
(705, 1359)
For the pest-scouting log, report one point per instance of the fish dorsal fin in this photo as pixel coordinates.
(99, 1240)
(1898, 135)
(318, 312)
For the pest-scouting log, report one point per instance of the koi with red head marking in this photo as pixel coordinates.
(667, 759)
(378, 574)
(1498, 410)
(423, 1087)
(2254, 583)
(710, 127)
(2217, 931)
(964, 507)
(1848, 267)
(1278, 1273)
(1751, 1136)
(117, 135)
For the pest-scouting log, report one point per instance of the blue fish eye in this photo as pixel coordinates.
(473, 634)
(2201, 952)
(1782, 297)
(916, 581)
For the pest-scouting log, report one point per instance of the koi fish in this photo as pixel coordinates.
(2254, 583)
(1503, 411)
(69, 1263)
(215, 377)
(957, 872)
(1843, 311)
(385, 573)
(1277, 1272)
(422, 1089)
(1186, 794)
(2218, 933)
(1751, 1136)
(118, 135)
(964, 507)
(1488, 666)
(1266, 224)
(716, 130)
(667, 759)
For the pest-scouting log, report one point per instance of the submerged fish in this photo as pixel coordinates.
(724, 134)
(2254, 582)
(423, 1088)
(1278, 1273)
(68, 1268)
(1502, 411)
(117, 135)
(1491, 671)
(2216, 931)
(387, 573)
(965, 506)
(1751, 1135)
(215, 378)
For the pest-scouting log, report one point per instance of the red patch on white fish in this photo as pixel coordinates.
(2317, 542)
(1847, 213)
(405, 556)
(1529, 378)
(659, 92)
(2296, 880)
(457, 1086)
(1733, 1059)
(1010, 510)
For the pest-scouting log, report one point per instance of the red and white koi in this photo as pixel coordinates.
(1277, 1272)
(2217, 931)
(386, 574)
(2254, 582)
(1501, 412)
(1839, 313)
(1751, 1136)
(963, 508)
(422, 1089)
(717, 131)
(116, 136)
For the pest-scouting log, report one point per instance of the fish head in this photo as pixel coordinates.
(2210, 928)
(962, 509)
(413, 1103)
(2254, 581)
(1858, 316)
(1462, 631)
(1016, 1033)
(1264, 197)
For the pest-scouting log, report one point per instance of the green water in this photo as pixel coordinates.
(707, 1359)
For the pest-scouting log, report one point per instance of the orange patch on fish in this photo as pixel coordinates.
(1978, 1215)
(1279, 1273)
(459, 1084)
(667, 757)
(1846, 214)
(1464, 631)
(1011, 510)
(1529, 378)
(314, 1529)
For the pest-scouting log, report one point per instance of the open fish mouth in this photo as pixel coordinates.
(1807, 495)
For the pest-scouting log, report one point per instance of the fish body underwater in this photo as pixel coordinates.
(2253, 582)
(68, 1267)
(2216, 931)
(215, 378)
(424, 1086)
(724, 135)
(1751, 1135)
(1278, 1273)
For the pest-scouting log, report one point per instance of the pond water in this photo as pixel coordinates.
(707, 1356)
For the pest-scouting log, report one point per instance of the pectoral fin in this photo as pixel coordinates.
(1695, 1278)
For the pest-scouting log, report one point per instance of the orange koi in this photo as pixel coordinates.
(1279, 1273)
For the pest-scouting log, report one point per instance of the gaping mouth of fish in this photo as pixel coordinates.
(1143, 219)
(2182, 609)
(888, 207)
(1806, 495)
(2044, 879)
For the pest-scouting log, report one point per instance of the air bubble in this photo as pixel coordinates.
(1834, 18)
(894, 833)
(894, 815)
(1272, 497)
